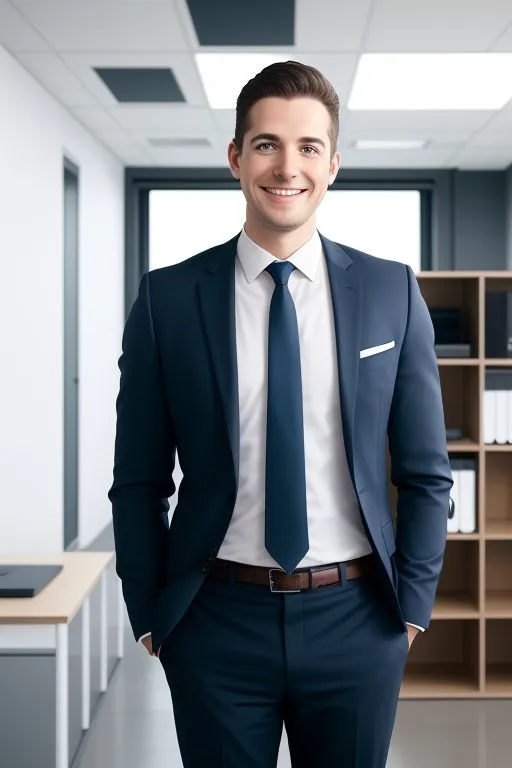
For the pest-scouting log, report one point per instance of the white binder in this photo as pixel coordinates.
(489, 416)
(509, 413)
(501, 415)
(454, 522)
(467, 495)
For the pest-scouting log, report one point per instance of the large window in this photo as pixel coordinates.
(385, 223)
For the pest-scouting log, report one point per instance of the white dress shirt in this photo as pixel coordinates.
(335, 528)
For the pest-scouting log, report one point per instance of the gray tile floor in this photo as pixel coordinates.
(134, 724)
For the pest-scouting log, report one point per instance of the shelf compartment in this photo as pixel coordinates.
(498, 668)
(439, 681)
(498, 494)
(458, 592)
(498, 529)
(455, 607)
(456, 643)
(461, 401)
(498, 579)
(459, 292)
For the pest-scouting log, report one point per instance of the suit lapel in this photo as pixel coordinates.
(217, 306)
(346, 303)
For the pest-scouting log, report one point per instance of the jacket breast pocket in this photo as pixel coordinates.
(377, 361)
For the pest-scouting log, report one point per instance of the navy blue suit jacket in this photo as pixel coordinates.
(178, 391)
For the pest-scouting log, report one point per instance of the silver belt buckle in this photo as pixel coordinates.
(271, 583)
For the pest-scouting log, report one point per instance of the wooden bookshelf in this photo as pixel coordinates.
(466, 653)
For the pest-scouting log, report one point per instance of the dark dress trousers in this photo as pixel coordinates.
(240, 659)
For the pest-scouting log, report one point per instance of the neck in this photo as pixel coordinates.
(280, 244)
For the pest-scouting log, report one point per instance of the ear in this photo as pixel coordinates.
(334, 167)
(233, 157)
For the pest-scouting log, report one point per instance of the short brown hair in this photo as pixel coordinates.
(287, 79)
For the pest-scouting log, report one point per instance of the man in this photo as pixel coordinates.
(277, 364)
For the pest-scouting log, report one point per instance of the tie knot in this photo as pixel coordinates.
(280, 271)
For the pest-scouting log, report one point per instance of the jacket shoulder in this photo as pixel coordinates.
(374, 263)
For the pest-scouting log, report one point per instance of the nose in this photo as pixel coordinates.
(285, 167)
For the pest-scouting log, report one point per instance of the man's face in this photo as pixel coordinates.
(287, 147)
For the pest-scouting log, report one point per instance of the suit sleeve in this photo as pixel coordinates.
(420, 467)
(145, 451)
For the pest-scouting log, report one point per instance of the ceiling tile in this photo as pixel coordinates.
(328, 26)
(94, 26)
(504, 43)
(437, 25)
(502, 120)
(165, 120)
(415, 124)
(57, 78)
(482, 159)
(182, 65)
(185, 158)
(353, 158)
(16, 34)
(97, 119)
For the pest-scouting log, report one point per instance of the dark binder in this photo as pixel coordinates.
(498, 379)
(447, 323)
(498, 324)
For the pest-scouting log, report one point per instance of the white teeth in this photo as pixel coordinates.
(284, 192)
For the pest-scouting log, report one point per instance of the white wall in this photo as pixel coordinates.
(35, 133)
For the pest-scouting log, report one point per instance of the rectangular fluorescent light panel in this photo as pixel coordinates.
(432, 81)
(383, 144)
(224, 74)
(162, 141)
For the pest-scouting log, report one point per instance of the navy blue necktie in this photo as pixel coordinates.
(286, 525)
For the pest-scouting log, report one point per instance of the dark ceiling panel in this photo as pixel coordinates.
(231, 22)
(141, 84)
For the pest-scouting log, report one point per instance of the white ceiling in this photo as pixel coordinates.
(60, 42)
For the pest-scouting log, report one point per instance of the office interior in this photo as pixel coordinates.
(102, 106)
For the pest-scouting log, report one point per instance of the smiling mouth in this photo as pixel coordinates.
(283, 191)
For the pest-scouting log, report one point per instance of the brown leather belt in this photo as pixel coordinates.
(303, 578)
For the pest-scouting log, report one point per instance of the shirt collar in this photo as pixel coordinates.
(255, 260)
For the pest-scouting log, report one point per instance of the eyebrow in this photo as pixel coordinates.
(274, 138)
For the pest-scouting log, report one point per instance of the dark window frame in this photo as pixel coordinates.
(436, 201)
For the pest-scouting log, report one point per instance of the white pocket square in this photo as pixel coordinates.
(376, 350)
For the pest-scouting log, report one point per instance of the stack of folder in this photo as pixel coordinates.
(463, 495)
(498, 406)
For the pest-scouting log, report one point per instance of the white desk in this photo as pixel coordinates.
(57, 605)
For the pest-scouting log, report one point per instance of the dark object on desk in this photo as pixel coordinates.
(453, 350)
(498, 324)
(26, 580)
